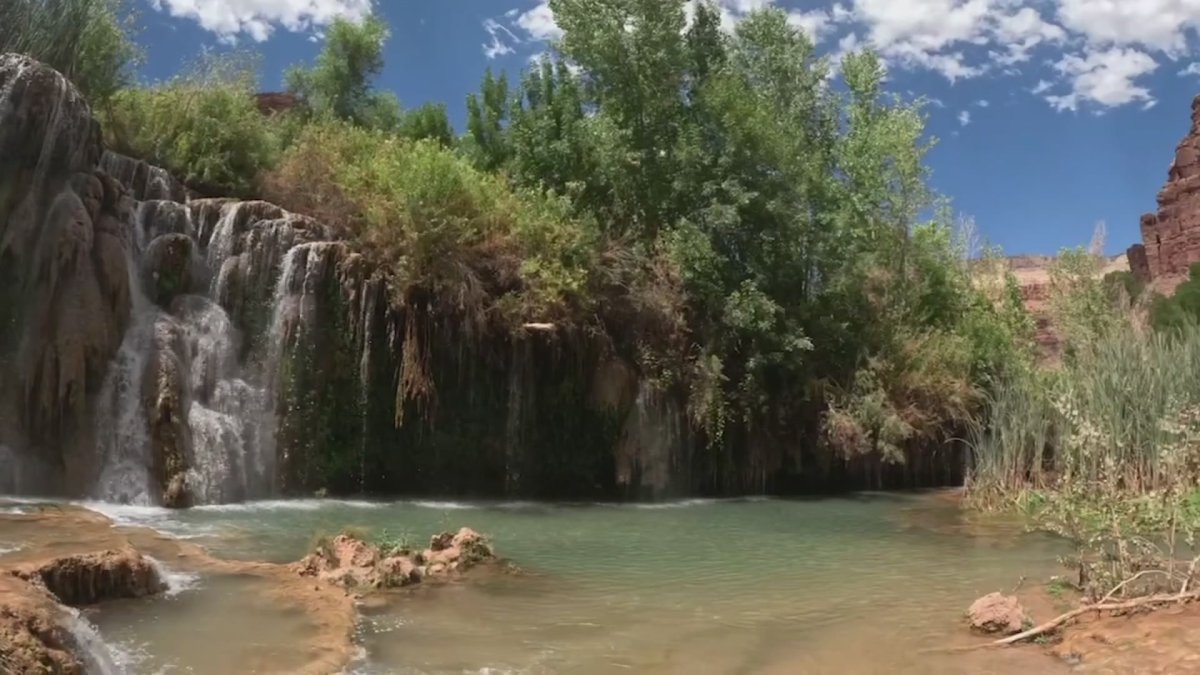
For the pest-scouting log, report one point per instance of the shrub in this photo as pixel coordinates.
(203, 126)
(439, 223)
(1180, 310)
(86, 40)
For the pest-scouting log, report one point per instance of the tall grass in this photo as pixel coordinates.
(86, 40)
(1120, 415)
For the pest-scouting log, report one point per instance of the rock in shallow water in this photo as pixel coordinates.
(995, 613)
(350, 562)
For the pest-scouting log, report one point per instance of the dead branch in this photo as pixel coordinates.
(1123, 584)
(1097, 607)
(543, 327)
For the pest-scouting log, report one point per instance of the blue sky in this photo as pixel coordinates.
(1050, 115)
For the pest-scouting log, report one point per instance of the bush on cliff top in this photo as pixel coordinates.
(442, 226)
(202, 125)
(86, 40)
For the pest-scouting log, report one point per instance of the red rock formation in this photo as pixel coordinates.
(275, 102)
(1172, 235)
(1138, 263)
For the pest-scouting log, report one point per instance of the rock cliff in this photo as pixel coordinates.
(157, 347)
(1171, 236)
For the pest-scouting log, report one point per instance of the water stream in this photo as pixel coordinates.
(865, 584)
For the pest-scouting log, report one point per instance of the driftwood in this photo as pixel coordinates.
(541, 327)
(1050, 625)
(1103, 605)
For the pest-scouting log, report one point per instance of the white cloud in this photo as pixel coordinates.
(936, 34)
(1192, 69)
(983, 103)
(539, 22)
(1105, 77)
(964, 118)
(1155, 25)
(500, 38)
(257, 19)
(1079, 52)
(815, 24)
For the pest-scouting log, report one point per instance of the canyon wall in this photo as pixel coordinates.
(1171, 235)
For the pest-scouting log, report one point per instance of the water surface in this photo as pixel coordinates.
(866, 584)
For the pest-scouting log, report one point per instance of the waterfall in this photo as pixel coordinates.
(225, 410)
(186, 414)
(122, 427)
(90, 648)
(10, 471)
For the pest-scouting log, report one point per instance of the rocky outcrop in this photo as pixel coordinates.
(1000, 614)
(63, 272)
(40, 632)
(1139, 264)
(1171, 235)
(33, 638)
(90, 578)
(350, 562)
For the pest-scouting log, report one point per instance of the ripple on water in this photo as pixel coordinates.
(746, 585)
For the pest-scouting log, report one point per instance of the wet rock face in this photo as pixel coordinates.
(95, 577)
(998, 614)
(65, 284)
(166, 401)
(145, 181)
(168, 268)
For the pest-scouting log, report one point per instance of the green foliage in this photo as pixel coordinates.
(86, 40)
(439, 222)
(1081, 301)
(339, 84)
(202, 125)
(707, 204)
(786, 208)
(1124, 287)
(1181, 310)
(428, 122)
(1116, 415)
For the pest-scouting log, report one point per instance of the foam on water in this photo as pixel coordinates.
(97, 656)
(177, 582)
(268, 505)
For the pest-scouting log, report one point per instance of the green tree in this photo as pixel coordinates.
(339, 84)
(429, 121)
(487, 116)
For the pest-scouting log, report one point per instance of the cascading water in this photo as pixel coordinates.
(122, 427)
(188, 404)
(90, 648)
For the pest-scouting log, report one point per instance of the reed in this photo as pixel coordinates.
(1122, 414)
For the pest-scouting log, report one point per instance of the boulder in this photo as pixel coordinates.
(94, 577)
(995, 613)
(168, 267)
